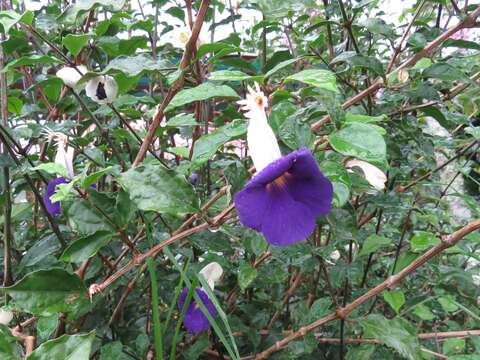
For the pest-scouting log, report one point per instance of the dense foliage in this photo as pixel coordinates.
(147, 115)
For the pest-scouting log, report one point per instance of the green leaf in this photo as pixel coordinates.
(395, 333)
(362, 141)
(85, 219)
(66, 347)
(15, 105)
(9, 348)
(316, 77)
(47, 292)
(379, 26)
(280, 66)
(424, 312)
(246, 275)
(460, 43)
(448, 303)
(396, 299)
(91, 179)
(422, 240)
(80, 7)
(202, 92)
(9, 18)
(474, 131)
(208, 144)
(232, 75)
(360, 61)
(154, 188)
(75, 43)
(453, 346)
(444, 71)
(52, 168)
(135, 65)
(338, 175)
(373, 243)
(180, 120)
(29, 61)
(86, 247)
(359, 118)
(40, 250)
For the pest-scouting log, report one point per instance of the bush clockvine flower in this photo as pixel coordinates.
(195, 321)
(287, 193)
(102, 89)
(64, 157)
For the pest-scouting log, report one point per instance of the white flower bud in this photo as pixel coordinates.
(5, 317)
(212, 273)
(70, 76)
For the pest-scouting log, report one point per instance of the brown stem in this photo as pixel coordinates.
(446, 243)
(184, 63)
(379, 83)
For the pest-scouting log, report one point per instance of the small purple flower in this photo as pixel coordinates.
(283, 200)
(194, 320)
(193, 178)
(53, 208)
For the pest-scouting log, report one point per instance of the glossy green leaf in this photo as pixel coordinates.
(362, 141)
(180, 120)
(154, 188)
(246, 275)
(10, 348)
(232, 75)
(48, 291)
(395, 333)
(134, 65)
(8, 18)
(396, 299)
(444, 71)
(75, 43)
(85, 219)
(80, 7)
(208, 144)
(29, 61)
(424, 312)
(316, 77)
(52, 168)
(202, 92)
(422, 240)
(373, 243)
(86, 247)
(66, 347)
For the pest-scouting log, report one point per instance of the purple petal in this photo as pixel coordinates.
(53, 208)
(286, 221)
(194, 320)
(283, 200)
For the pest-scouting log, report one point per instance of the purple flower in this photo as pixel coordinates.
(53, 208)
(194, 320)
(283, 200)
